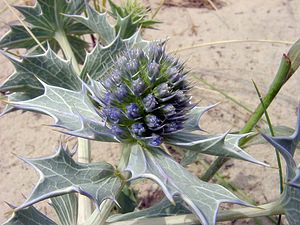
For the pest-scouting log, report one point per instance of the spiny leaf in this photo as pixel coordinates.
(194, 117)
(290, 197)
(160, 209)
(278, 130)
(29, 216)
(60, 174)
(47, 67)
(66, 208)
(225, 145)
(98, 23)
(130, 16)
(18, 37)
(48, 84)
(71, 110)
(202, 198)
(102, 58)
(46, 18)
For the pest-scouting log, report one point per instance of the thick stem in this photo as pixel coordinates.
(224, 215)
(84, 150)
(99, 217)
(278, 82)
(211, 171)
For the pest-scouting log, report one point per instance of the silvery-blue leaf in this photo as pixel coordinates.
(101, 59)
(93, 130)
(194, 116)
(125, 26)
(98, 23)
(45, 19)
(290, 199)
(60, 174)
(189, 157)
(278, 130)
(160, 209)
(63, 105)
(202, 198)
(289, 143)
(66, 208)
(288, 157)
(127, 200)
(29, 216)
(225, 145)
(48, 67)
(47, 84)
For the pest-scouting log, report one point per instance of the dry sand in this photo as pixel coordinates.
(230, 67)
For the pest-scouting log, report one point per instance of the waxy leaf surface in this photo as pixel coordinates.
(194, 116)
(46, 18)
(29, 216)
(101, 59)
(47, 84)
(98, 23)
(160, 209)
(47, 67)
(202, 198)
(66, 208)
(291, 195)
(71, 110)
(60, 174)
(225, 145)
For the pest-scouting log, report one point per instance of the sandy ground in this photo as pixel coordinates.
(230, 67)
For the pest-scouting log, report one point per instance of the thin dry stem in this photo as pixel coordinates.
(208, 44)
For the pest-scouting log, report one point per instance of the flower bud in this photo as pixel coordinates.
(114, 114)
(152, 121)
(162, 90)
(116, 130)
(171, 127)
(155, 140)
(132, 66)
(150, 103)
(133, 111)
(153, 71)
(138, 86)
(156, 52)
(169, 110)
(116, 76)
(138, 129)
(121, 92)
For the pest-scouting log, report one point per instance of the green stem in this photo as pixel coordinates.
(99, 217)
(279, 80)
(103, 5)
(275, 87)
(277, 152)
(84, 150)
(96, 5)
(211, 171)
(272, 208)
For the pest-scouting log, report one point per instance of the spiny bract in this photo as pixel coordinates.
(145, 96)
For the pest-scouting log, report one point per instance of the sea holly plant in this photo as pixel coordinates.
(132, 92)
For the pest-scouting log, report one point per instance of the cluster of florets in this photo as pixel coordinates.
(145, 96)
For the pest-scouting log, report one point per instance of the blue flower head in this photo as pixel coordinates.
(145, 96)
